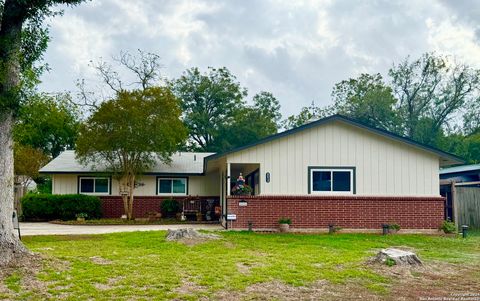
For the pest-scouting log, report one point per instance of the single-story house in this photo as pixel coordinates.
(331, 171)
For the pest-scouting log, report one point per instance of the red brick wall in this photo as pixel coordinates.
(112, 206)
(352, 212)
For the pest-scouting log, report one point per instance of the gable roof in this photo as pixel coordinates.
(187, 163)
(446, 158)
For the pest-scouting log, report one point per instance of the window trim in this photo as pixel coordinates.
(79, 186)
(350, 169)
(171, 178)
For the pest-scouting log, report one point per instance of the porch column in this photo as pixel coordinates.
(228, 179)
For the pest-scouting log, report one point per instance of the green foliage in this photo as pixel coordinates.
(250, 123)
(64, 207)
(242, 190)
(81, 215)
(47, 123)
(308, 114)
(209, 102)
(390, 262)
(367, 99)
(423, 101)
(130, 132)
(23, 40)
(285, 220)
(28, 161)
(169, 207)
(432, 88)
(448, 227)
(44, 185)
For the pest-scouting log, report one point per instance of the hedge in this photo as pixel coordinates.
(61, 206)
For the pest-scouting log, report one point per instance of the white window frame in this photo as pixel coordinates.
(94, 184)
(331, 170)
(172, 193)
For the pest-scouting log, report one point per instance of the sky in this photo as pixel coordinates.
(296, 50)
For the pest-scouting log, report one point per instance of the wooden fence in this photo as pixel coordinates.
(468, 206)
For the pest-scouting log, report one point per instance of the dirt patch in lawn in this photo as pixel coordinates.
(319, 290)
(189, 287)
(100, 260)
(432, 280)
(27, 270)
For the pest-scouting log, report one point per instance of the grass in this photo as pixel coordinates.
(125, 266)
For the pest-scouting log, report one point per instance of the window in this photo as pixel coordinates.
(176, 186)
(92, 185)
(332, 180)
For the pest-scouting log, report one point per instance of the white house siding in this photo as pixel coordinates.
(383, 166)
(197, 185)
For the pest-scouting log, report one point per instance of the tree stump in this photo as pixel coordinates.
(188, 233)
(397, 256)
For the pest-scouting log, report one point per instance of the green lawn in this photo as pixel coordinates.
(241, 265)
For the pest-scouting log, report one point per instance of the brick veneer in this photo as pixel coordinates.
(352, 212)
(112, 206)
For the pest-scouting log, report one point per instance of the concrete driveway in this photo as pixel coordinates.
(28, 229)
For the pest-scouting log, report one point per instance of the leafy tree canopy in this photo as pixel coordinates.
(209, 101)
(28, 161)
(129, 133)
(48, 123)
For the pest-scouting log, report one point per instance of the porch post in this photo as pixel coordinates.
(228, 179)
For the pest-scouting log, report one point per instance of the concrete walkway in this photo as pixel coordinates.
(28, 229)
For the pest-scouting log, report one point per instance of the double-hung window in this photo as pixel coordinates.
(172, 186)
(327, 180)
(94, 185)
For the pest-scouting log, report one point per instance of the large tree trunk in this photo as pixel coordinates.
(10, 44)
(10, 245)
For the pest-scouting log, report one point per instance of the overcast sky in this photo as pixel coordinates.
(295, 49)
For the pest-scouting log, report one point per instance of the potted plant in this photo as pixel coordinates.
(240, 187)
(284, 224)
(169, 207)
(393, 228)
(81, 217)
(448, 227)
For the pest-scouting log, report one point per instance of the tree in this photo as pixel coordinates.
(367, 99)
(250, 123)
(143, 70)
(306, 115)
(129, 133)
(22, 42)
(209, 102)
(47, 123)
(269, 108)
(28, 161)
(435, 88)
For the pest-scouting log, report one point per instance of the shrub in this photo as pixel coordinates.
(285, 220)
(82, 215)
(169, 207)
(61, 206)
(448, 227)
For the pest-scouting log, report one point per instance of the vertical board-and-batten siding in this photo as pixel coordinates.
(197, 185)
(383, 166)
